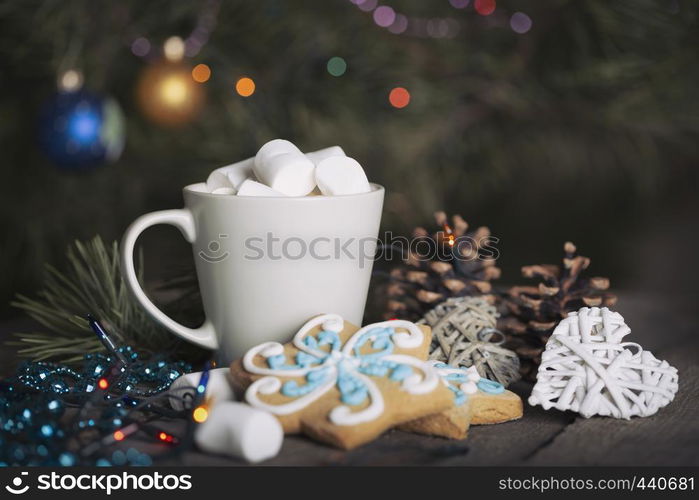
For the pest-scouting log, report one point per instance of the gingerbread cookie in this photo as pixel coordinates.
(342, 385)
(477, 400)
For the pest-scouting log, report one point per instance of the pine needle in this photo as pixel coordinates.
(91, 283)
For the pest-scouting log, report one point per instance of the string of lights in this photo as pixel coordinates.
(171, 89)
(51, 414)
(398, 23)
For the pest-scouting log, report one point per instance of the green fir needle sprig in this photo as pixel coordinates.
(91, 283)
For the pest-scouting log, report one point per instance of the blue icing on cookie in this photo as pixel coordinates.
(304, 359)
(293, 390)
(374, 368)
(276, 362)
(460, 396)
(457, 377)
(453, 381)
(490, 386)
(352, 389)
(382, 342)
(311, 342)
(313, 379)
(317, 375)
(329, 338)
(400, 372)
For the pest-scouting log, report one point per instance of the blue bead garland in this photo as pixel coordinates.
(34, 403)
(143, 379)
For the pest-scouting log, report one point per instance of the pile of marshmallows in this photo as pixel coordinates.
(280, 169)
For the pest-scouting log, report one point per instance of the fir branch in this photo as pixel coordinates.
(92, 283)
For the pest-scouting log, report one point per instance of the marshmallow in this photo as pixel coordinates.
(218, 389)
(224, 190)
(217, 180)
(239, 172)
(317, 156)
(340, 175)
(241, 431)
(280, 165)
(254, 188)
(273, 148)
(231, 175)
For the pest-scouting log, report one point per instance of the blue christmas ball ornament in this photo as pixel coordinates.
(80, 130)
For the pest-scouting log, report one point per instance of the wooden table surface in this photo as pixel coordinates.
(665, 325)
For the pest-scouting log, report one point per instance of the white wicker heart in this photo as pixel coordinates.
(588, 369)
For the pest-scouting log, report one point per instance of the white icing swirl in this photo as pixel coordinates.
(470, 386)
(416, 383)
(274, 349)
(270, 385)
(406, 340)
(333, 322)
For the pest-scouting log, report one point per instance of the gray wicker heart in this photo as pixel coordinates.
(464, 335)
(587, 368)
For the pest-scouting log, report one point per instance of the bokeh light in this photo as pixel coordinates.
(400, 24)
(81, 130)
(168, 94)
(173, 91)
(437, 28)
(140, 47)
(384, 16)
(71, 80)
(201, 73)
(453, 27)
(337, 66)
(245, 87)
(200, 414)
(520, 23)
(459, 4)
(399, 97)
(84, 127)
(484, 7)
(174, 49)
(367, 5)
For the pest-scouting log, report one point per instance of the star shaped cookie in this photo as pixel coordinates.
(343, 385)
(477, 401)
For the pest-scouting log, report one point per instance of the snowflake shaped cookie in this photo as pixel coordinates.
(343, 385)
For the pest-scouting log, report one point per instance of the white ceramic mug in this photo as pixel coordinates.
(267, 264)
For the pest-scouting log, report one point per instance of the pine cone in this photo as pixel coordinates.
(530, 313)
(452, 262)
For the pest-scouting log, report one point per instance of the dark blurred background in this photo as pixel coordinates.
(546, 121)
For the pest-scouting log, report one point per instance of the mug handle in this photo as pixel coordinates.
(182, 219)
